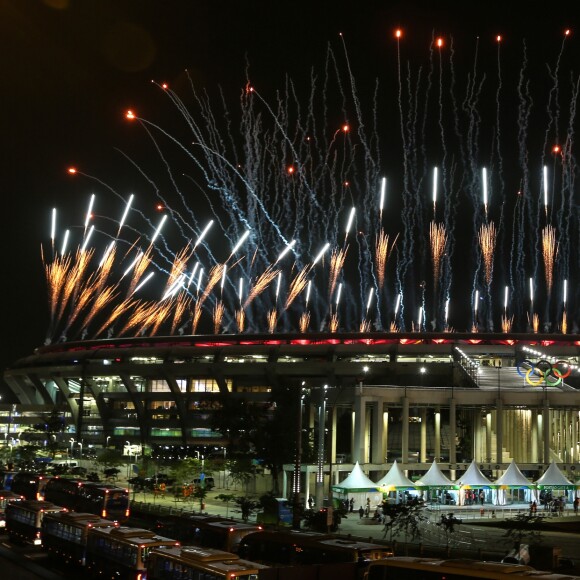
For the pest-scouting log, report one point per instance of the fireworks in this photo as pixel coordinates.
(293, 196)
(487, 235)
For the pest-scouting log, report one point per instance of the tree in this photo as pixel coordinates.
(200, 493)
(246, 506)
(109, 459)
(226, 498)
(405, 519)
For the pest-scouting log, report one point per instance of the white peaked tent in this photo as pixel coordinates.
(358, 486)
(512, 479)
(435, 480)
(472, 479)
(553, 478)
(394, 480)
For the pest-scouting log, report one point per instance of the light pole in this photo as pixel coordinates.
(79, 443)
(72, 442)
(128, 444)
(107, 443)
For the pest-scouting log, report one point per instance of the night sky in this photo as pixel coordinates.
(71, 68)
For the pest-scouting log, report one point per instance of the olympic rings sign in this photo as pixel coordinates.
(545, 371)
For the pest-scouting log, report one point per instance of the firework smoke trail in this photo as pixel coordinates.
(553, 104)
(441, 127)
(548, 254)
(297, 285)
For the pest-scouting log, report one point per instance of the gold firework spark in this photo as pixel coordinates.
(138, 271)
(506, 323)
(263, 281)
(102, 298)
(337, 259)
(333, 322)
(549, 253)
(215, 276)
(218, 315)
(73, 283)
(564, 323)
(56, 274)
(240, 319)
(178, 267)
(304, 322)
(196, 317)
(382, 255)
(125, 306)
(139, 317)
(272, 320)
(365, 326)
(438, 240)
(487, 236)
(181, 307)
(297, 285)
(393, 327)
(158, 316)
(535, 323)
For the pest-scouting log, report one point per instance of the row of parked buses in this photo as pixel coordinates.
(103, 548)
(105, 500)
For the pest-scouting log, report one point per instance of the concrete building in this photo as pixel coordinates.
(411, 397)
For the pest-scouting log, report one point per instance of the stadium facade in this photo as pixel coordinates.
(411, 397)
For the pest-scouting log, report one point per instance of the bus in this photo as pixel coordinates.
(5, 498)
(297, 548)
(122, 552)
(192, 563)
(409, 568)
(207, 531)
(24, 520)
(65, 534)
(30, 485)
(78, 495)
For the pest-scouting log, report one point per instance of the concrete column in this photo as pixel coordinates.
(360, 425)
(405, 430)
(488, 437)
(499, 430)
(386, 434)
(423, 454)
(284, 483)
(378, 448)
(437, 434)
(477, 436)
(452, 435)
(546, 421)
(534, 436)
(540, 438)
(332, 438)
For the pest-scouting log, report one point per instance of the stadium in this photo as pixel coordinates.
(410, 397)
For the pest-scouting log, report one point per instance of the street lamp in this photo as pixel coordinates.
(128, 444)
(79, 443)
(72, 442)
(107, 443)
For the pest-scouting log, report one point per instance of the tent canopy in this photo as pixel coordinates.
(513, 478)
(355, 482)
(435, 479)
(473, 478)
(394, 479)
(553, 478)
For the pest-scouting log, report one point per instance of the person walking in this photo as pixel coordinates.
(361, 512)
(576, 503)
(481, 497)
(351, 505)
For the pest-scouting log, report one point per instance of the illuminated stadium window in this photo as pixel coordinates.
(148, 360)
(254, 389)
(182, 385)
(208, 386)
(201, 433)
(158, 432)
(159, 386)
